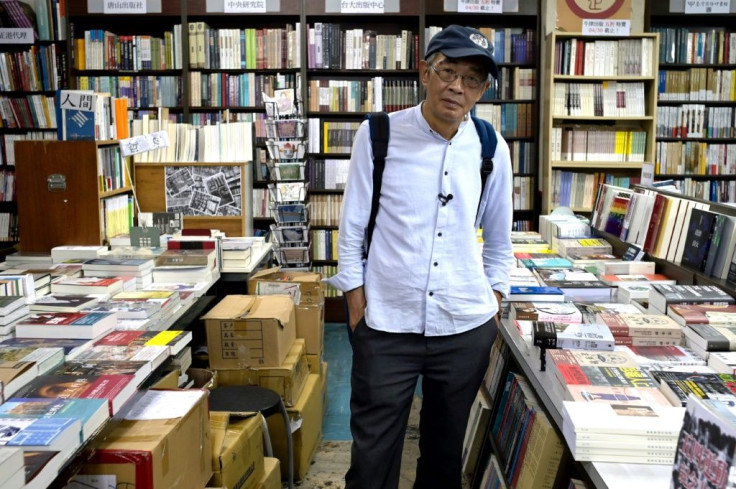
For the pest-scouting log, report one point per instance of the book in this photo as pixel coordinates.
(537, 263)
(621, 419)
(52, 434)
(650, 325)
(63, 303)
(93, 413)
(717, 315)
(129, 309)
(698, 239)
(706, 448)
(663, 357)
(654, 278)
(11, 461)
(576, 283)
(590, 311)
(625, 267)
(44, 358)
(577, 336)
(10, 303)
(723, 361)
(626, 292)
(117, 265)
(71, 347)
(661, 296)
(710, 338)
(16, 375)
(535, 294)
(174, 341)
(630, 396)
(597, 367)
(116, 389)
(677, 386)
(83, 325)
(41, 467)
(562, 312)
(87, 285)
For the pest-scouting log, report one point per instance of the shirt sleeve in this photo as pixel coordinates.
(355, 213)
(498, 256)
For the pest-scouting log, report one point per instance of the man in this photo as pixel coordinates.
(425, 300)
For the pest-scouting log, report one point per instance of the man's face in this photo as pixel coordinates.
(449, 102)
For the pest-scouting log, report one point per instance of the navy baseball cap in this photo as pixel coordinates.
(456, 41)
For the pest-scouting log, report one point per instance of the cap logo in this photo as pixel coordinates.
(479, 39)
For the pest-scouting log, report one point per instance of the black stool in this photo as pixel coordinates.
(251, 398)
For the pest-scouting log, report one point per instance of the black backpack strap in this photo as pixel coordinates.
(379, 130)
(488, 141)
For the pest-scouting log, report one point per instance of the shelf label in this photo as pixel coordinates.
(83, 101)
(245, 6)
(606, 27)
(707, 6)
(16, 35)
(143, 143)
(361, 6)
(124, 7)
(647, 173)
(480, 6)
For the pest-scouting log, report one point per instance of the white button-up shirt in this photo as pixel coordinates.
(424, 273)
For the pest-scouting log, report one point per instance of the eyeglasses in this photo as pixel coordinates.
(448, 76)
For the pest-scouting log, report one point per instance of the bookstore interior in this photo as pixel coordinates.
(216, 135)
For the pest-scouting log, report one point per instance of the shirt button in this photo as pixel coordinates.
(431, 294)
(435, 263)
(446, 173)
(439, 234)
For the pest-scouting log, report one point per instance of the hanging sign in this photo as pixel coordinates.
(124, 7)
(480, 6)
(245, 6)
(361, 6)
(707, 6)
(144, 142)
(16, 35)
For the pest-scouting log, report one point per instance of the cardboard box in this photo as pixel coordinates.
(157, 454)
(170, 380)
(288, 380)
(274, 281)
(310, 325)
(249, 331)
(272, 474)
(202, 378)
(307, 414)
(237, 450)
(314, 362)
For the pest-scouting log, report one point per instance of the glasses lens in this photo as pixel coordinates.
(471, 82)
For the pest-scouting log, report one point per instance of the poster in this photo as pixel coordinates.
(204, 190)
(570, 13)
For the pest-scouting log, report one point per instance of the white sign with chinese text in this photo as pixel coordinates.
(647, 173)
(480, 6)
(606, 27)
(16, 35)
(707, 6)
(83, 100)
(361, 6)
(245, 6)
(143, 143)
(124, 7)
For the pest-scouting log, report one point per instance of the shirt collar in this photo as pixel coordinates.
(424, 125)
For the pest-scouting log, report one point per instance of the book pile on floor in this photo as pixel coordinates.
(622, 350)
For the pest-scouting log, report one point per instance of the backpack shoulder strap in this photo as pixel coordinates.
(378, 123)
(488, 142)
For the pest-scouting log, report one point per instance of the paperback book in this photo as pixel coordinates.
(662, 296)
(677, 386)
(576, 336)
(93, 413)
(82, 325)
(563, 312)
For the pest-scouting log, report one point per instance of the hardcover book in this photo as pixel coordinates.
(574, 336)
(706, 449)
(91, 412)
(81, 325)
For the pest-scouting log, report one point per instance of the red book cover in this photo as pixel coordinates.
(110, 387)
(697, 313)
(119, 338)
(654, 222)
(175, 244)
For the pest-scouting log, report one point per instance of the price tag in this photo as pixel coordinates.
(361, 6)
(707, 6)
(606, 27)
(16, 35)
(124, 7)
(480, 6)
(84, 101)
(245, 6)
(145, 142)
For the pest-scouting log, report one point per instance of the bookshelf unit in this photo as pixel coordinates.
(139, 56)
(71, 193)
(600, 116)
(32, 58)
(511, 104)
(696, 104)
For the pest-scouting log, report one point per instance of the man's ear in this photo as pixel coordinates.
(424, 72)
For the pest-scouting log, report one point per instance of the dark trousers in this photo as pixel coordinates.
(384, 376)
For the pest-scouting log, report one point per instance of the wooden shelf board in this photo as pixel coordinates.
(612, 165)
(601, 118)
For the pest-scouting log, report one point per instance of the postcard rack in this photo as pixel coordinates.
(288, 190)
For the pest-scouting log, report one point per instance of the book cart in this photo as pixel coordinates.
(288, 188)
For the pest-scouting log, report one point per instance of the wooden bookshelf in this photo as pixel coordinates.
(571, 173)
(60, 200)
(695, 117)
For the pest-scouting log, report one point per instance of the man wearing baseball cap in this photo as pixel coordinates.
(424, 301)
